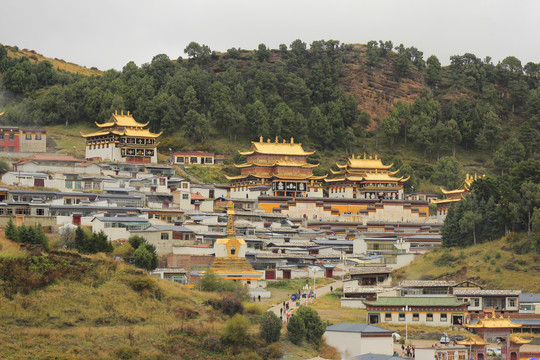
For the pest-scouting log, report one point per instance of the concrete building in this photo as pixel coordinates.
(352, 339)
(33, 141)
(192, 158)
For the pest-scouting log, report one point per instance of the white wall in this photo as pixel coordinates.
(352, 344)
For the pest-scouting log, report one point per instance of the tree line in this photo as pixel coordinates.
(293, 91)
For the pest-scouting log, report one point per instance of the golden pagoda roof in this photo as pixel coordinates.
(369, 177)
(245, 176)
(516, 339)
(276, 148)
(493, 322)
(473, 340)
(127, 132)
(444, 201)
(449, 192)
(277, 163)
(122, 120)
(365, 163)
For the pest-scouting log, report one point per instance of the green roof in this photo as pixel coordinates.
(447, 301)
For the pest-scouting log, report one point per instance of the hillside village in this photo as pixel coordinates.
(274, 221)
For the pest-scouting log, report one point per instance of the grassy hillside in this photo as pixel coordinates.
(14, 52)
(63, 305)
(495, 264)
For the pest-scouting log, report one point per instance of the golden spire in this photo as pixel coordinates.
(230, 219)
(261, 139)
(277, 140)
(292, 140)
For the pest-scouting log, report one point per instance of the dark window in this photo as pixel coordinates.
(28, 136)
(388, 316)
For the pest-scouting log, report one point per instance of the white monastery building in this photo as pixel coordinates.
(122, 139)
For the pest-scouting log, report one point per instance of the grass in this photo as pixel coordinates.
(66, 137)
(9, 249)
(494, 264)
(56, 63)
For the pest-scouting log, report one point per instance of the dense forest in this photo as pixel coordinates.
(306, 93)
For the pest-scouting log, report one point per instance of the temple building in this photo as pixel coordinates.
(230, 262)
(280, 166)
(494, 327)
(122, 139)
(453, 196)
(366, 178)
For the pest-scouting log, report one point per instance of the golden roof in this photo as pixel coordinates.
(277, 148)
(444, 201)
(365, 163)
(493, 322)
(369, 177)
(122, 121)
(245, 176)
(125, 132)
(278, 163)
(516, 339)
(473, 340)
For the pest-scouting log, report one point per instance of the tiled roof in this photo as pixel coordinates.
(529, 298)
(371, 356)
(370, 270)
(426, 283)
(447, 301)
(469, 292)
(358, 328)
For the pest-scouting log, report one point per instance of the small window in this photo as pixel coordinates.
(415, 317)
(512, 302)
(38, 136)
(69, 184)
(429, 317)
(444, 317)
(164, 236)
(40, 212)
(11, 149)
(180, 159)
(401, 316)
(11, 137)
(185, 196)
(476, 302)
(193, 160)
(28, 136)
(388, 316)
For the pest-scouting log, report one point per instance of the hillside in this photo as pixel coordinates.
(63, 305)
(34, 57)
(497, 265)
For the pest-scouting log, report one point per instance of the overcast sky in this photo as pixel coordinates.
(109, 33)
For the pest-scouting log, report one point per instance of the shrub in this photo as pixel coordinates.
(235, 330)
(249, 356)
(145, 285)
(212, 343)
(296, 330)
(212, 283)
(231, 304)
(498, 269)
(274, 351)
(486, 257)
(253, 309)
(497, 255)
(126, 352)
(270, 327)
(445, 259)
(315, 327)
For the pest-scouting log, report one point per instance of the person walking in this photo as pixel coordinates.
(259, 298)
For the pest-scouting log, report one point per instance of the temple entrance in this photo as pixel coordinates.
(513, 356)
(329, 273)
(480, 356)
(270, 274)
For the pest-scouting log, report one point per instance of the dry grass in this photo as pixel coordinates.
(493, 264)
(56, 63)
(10, 249)
(329, 309)
(66, 137)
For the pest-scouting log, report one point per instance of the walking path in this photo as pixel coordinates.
(320, 291)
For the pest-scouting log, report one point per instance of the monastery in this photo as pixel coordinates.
(280, 166)
(453, 196)
(366, 178)
(122, 139)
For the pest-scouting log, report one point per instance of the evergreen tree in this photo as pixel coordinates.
(11, 230)
(296, 329)
(270, 327)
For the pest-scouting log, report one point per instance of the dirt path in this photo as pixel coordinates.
(320, 291)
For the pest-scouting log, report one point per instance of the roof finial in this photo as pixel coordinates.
(292, 140)
(284, 141)
(115, 112)
(365, 155)
(261, 139)
(268, 140)
(122, 112)
(277, 139)
(375, 156)
(128, 112)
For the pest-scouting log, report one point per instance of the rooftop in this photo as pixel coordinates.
(358, 328)
(426, 283)
(479, 292)
(360, 270)
(446, 301)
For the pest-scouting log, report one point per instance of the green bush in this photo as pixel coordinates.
(446, 259)
(296, 330)
(236, 328)
(315, 327)
(270, 327)
(212, 283)
(253, 309)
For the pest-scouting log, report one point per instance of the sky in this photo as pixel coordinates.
(110, 33)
